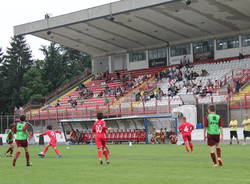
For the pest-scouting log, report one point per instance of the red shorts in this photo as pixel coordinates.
(186, 137)
(9, 142)
(52, 143)
(22, 143)
(100, 142)
(213, 139)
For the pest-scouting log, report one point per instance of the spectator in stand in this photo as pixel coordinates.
(229, 89)
(70, 100)
(237, 86)
(58, 103)
(118, 75)
(73, 136)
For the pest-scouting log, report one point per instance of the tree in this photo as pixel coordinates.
(54, 69)
(77, 62)
(33, 89)
(15, 63)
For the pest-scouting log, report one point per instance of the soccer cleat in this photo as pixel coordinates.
(14, 163)
(107, 162)
(29, 164)
(101, 162)
(42, 155)
(220, 161)
(215, 165)
(58, 156)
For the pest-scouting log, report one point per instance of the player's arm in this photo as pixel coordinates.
(93, 129)
(13, 129)
(26, 126)
(221, 129)
(42, 134)
(58, 132)
(205, 128)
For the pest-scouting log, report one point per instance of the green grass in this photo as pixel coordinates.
(138, 164)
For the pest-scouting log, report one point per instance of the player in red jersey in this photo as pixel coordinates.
(186, 129)
(99, 128)
(9, 141)
(52, 135)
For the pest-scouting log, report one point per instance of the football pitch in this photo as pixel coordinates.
(137, 164)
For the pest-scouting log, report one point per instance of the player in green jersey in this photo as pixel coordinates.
(213, 132)
(21, 140)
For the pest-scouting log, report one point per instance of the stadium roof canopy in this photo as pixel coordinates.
(129, 25)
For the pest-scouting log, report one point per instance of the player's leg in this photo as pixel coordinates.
(10, 149)
(27, 156)
(211, 141)
(213, 156)
(190, 143)
(58, 154)
(245, 138)
(218, 151)
(236, 136)
(43, 153)
(99, 149)
(231, 137)
(17, 155)
(185, 139)
(191, 146)
(105, 151)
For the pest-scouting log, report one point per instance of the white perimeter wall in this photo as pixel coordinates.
(197, 135)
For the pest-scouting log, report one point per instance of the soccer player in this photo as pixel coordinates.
(213, 132)
(9, 141)
(99, 128)
(52, 136)
(246, 131)
(233, 130)
(186, 129)
(21, 140)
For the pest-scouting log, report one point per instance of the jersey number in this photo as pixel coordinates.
(186, 129)
(99, 128)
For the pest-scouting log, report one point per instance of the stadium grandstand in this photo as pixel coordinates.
(150, 57)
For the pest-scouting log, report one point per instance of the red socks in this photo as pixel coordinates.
(17, 155)
(191, 146)
(45, 150)
(213, 158)
(218, 150)
(99, 154)
(10, 150)
(186, 145)
(57, 151)
(106, 154)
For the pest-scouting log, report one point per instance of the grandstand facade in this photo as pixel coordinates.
(149, 55)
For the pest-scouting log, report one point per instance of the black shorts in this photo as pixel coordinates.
(233, 134)
(246, 133)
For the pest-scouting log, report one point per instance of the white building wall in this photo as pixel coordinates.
(138, 64)
(118, 62)
(177, 59)
(100, 64)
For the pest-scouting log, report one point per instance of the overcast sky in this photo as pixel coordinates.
(15, 12)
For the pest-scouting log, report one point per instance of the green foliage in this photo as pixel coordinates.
(138, 164)
(26, 81)
(16, 62)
